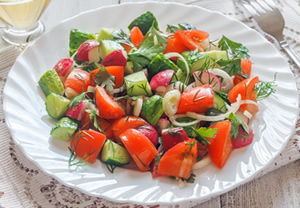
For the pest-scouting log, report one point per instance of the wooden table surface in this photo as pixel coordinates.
(280, 188)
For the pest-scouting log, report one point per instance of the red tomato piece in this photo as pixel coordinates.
(220, 146)
(175, 45)
(192, 39)
(246, 65)
(197, 99)
(87, 144)
(116, 71)
(77, 82)
(108, 108)
(124, 123)
(136, 36)
(179, 160)
(246, 89)
(139, 147)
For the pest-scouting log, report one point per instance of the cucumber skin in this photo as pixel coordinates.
(133, 83)
(51, 83)
(144, 22)
(56, 105)
(219, 103)
(64, 129)
(152, 109)
(114, 154)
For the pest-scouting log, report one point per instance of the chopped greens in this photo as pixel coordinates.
(237, 50)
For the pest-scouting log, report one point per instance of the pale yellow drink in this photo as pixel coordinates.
(21, 13)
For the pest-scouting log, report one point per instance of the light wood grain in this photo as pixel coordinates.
(280, 188)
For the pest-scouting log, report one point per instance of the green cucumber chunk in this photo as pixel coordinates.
(64, 129)
(56, 105)
(105, 34)
(108, 46)
(203, 60)
(137, 84)
(219, 103)
(152, 109)
(51, 83)
(144, 22)
(160, 63)
(76, 38)
(114, 154)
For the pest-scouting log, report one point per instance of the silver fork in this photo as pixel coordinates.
(271, 21)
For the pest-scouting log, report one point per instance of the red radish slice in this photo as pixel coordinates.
(115, 58)
(243, 139)
(162, 79)
(63, 68)
(77, 111)
(205, 77)
(162, 123)
(171, 137)
(89, 51)
(150, 132)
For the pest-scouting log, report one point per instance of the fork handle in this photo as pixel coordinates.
(285, 46)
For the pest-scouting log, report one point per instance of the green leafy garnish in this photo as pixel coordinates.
(186, 26)
(105, 79)
(202, 133)
(237, 50)
(231, 66)
(122, 37)
(93, 117)
(236, 122)
(153, 43)
(265, 89)
(73, 161)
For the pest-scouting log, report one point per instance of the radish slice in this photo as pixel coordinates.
(63, 68)
(77, 111)
(162, 79)
(170, 102)
(243, 139)
(227, 82)
(205, 77)
(162, 123)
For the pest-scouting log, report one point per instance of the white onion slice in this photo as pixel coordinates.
(176, 123)
(137, 107)
(120, 89)
(227, 82)
(202, 163)
(170, 102)
(173, 54)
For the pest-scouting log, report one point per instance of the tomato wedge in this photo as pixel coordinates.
(179, 160)
(246, 89)
(116, 71)
(175, 45)
(108, 108)
(124, 123)
(220, 146)
(192, 39)
(136, 36)
(139, 147)
(197, 99)
(76, 83)
(246, 65)
(87, 144)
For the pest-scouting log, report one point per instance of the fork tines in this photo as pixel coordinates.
(257, 7)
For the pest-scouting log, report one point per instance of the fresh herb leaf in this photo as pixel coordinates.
(122, 37)
(77, 99)
(93, 117)
(105, 79)
(231, 66)
(171, 29)
(73, 161)
(265, 89)
(191, 179)
(153, 43)
(237, 50)
(236, 122)
(186, 26)
(202, 133)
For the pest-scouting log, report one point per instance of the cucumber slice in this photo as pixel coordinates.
(137, 84)
(144, 22)
(219, 103)
(152, 109)
(114, 154)
(64, 129)
(160, 63)
(76, 38)
(51, 83)
(179, 76)
(56, 105)
(108, 46)
(105, 34)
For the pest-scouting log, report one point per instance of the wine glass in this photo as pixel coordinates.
(21, 19)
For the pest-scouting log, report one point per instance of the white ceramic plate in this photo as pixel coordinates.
(30, 126)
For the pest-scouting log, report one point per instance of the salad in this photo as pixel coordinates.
(166, 102)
